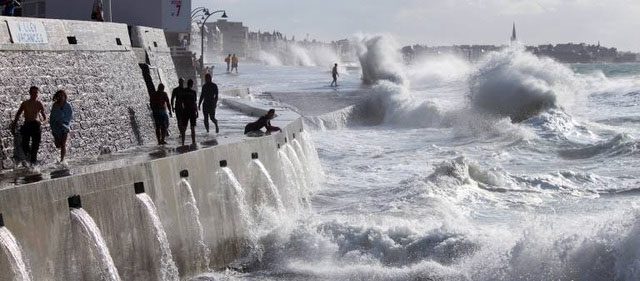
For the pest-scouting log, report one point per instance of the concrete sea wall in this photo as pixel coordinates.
(97, 65)
(108, 70)
(39, 215)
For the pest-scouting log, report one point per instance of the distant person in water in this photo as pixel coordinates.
(208, 102)
(60, 122)
(186, 104)
(31, 130)
(234, 63)
(161, 109)
(254, 129)
(228, 61)
(334, 74)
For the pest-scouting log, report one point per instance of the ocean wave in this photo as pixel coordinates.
(619, 145)
(518, 84)
(295, 54)
(535, 248)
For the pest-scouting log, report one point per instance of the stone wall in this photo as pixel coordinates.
(158, 54)
(100, 73)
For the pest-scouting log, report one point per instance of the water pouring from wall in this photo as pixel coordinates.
(198, 253)
(13, 254)
(300, 173)
(291, 192)
(235, 198)
(313, 161)
(93, 261)
(312, 180)
(164, 268)
(235, 214)
(266, 196)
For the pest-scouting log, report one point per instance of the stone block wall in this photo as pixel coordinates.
(154, 42)
(101, 75)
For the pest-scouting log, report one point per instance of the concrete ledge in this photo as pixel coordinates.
(246, 106)
(238, 93)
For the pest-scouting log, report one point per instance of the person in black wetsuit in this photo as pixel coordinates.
(254, 128)
(187, 106)
(208, 102)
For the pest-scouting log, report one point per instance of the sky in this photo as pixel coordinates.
(615, 23)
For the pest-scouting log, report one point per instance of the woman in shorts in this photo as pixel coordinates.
(60, 121)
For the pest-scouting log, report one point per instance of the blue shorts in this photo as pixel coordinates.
(161, 119)
(59, 132)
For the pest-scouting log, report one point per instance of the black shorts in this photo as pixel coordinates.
(186, 118)
(209, 110)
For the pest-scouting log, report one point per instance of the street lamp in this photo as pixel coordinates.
(197, 10)
(207, 14)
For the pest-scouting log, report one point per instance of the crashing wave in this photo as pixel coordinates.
(520, 85)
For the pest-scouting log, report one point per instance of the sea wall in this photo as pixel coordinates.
(96, 65)
(38, 214)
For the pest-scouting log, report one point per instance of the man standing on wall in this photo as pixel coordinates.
(97, 13)
(187, 105)
(209, 96)
(31, 130)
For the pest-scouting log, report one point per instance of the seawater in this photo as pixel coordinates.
(447, 187)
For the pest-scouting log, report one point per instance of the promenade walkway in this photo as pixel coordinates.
(231, 120)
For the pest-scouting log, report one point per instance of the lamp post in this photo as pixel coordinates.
(206, 16)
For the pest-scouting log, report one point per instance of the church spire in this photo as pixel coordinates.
(514, 38)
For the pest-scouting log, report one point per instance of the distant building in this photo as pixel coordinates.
(514, 37)
(235, 37)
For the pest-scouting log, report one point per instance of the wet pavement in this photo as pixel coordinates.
(231, 124)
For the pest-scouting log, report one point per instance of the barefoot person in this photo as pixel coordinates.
(208, 102)
(254, 129)
(31, 130)
(334, 74)
(161, 109)
(187, 105)
(60, 121)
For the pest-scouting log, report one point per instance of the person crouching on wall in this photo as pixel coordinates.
(253, 129)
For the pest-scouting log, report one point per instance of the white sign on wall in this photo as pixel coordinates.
(176, 15)
(27, 32)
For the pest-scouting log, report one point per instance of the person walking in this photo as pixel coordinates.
(228, 61)
(186, 104)
(334, 74)
(31, 129)
(60, 122)
(234, 63)
(161, 109)
(208, 102)
(174, 95)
